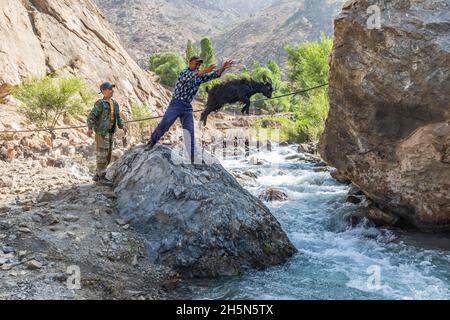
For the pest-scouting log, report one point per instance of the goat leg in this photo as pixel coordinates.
(246, 108)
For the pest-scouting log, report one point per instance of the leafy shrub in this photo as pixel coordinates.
(167, 66)
(46, 100)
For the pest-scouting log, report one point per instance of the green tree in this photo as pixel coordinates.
(230, 76)
(307, 63)
(46, 100)
(167, 66)
(245, 73)
(307, 66)
(190, 51)
(273, 66)
(207, 53)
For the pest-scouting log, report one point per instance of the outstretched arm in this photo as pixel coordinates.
(227, 65)
(208, 74)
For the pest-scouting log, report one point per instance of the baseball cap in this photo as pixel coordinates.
(106, 86)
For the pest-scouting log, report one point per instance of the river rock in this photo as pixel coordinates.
(355, 199)
(255, 161)
(196, 219)
(271, 194)
(247, 178)
(307, 148)
(339, 176)
(381, 218)
(389, 124)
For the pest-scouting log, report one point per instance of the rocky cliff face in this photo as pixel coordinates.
(248, 31)
(69, 37)
(389, 124)
(196, 219)
(286, 22)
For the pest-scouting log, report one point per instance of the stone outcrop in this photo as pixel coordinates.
(271, 194)
(70, 37)
(389, 124)
(196, 219)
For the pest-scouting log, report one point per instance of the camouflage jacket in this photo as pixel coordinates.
(100, 118)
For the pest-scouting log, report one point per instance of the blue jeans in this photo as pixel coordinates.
(176, 109)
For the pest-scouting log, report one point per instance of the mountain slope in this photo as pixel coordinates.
(70, 37)
(150, 26)
(263, 37)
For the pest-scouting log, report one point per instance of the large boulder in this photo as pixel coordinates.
(196, 219)
(389, 124)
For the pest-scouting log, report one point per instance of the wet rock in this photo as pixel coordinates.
(255, 161)
(389, 123)
(354, 199)
(296, 157)
(284, 144)
(339, 176)
(246, 178)
(310, 148)
(320, 164)
(271, 194)
(381, 218)
(322, 169)
(215, 228)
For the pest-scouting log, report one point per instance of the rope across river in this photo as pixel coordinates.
(159, 117)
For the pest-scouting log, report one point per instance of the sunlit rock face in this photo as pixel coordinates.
(70, 37)
(388, 129)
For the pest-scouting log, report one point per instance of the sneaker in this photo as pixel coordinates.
(149, 146)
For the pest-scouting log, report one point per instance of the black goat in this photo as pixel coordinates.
(233, 91)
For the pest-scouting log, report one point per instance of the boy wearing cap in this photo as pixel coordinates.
(187, 86)
(104, 120)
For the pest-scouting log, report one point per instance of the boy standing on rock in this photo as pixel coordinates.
(104, 120)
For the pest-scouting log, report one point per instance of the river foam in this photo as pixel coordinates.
(335, 261)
